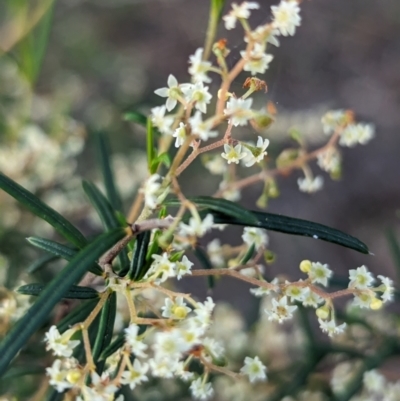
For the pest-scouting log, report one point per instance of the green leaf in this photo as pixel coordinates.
(60, 250)
(77, 315)
(206, 263)
(136, 117)
(224, 206)
(74, 292)
(18, 371)
(163, 158)
(41, 262)
(40, 209)
(104, 155)
(118, 343)
(139, 255)
(216, 7)
(105, 330)
(101, 204)
(291, 225)
(248, 255)
(39, 312)
(394, 247)
(150, 146)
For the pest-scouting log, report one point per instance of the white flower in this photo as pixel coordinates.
(202, 128)
(175, 309)
(256, 236)
(196, 227)
(374, 382)
(161, 121)
(162, 268)
(137, 346)
(183, 267)
(201, 390)
(329, 326)
(310, 298)
(229, 192)
(172, 93)
(213, 348)
(233, 154)
(164, 367)
(169, 345)
(241, 11)
(135, 375)
(286, 17)
(387, 288)
(256, 154)
(58, 376)
(203, 312)
(360, 278)
(180, 135)
(199, 94)
(254, 369)
(214, 251)
(329, 160)
(280, 310)
(257, 61)
(239, 110)
(216, 165)
(332, 120)
(356, 133)
(199, 67)
(61, 345)
(364, 299)
(150, 190)
(295, 293)
(310, 185)
(320, 273)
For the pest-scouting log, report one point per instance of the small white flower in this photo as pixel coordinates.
(332, 120)
(295, 293)
(214, 251)
(388, 289)
(162, 268)
(136, 345)
(198, 67)
(254, 369)
(58, 376)
(360, 278)
(172, 93)
(150, 190)
(286, 17)
(310, 298)
(183, 267)
(233, 154)
(256, 236)
(201, 390)
(280, 310)
(202, 128)
(241, 11)
(374, 382)
(229, 192)
(212, 348)
(180, 135)
(196, 227)
(175, 309)
(330, 327)
(169, 345)
(320, 273)
(135, 375)
(257, 154)
(216, 165)
(364, 299)
(310, 185)
(329, 160)
(239, 110)
(161, 121)
(61, 345)
(164, 367)
(198, 94)
(258, 61)
(356, 133)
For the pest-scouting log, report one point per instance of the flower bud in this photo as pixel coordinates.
(305, 266)
(376, 304)
(323, 312)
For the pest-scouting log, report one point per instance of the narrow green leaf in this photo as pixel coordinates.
(291, 225)
(39, 312)
(61, 251)
(163, 158)
(105, 331)
(394, 247)
(40, 263)
(118, 343)
(101, 204)
(136, 117)
(216, 7)
(77, 315)
(18, 371)
(206, 263)
(150, 146)
(220, 205)
(248, 255)
(74, 292)
(40, 209)
(139, 255)
(104, 155)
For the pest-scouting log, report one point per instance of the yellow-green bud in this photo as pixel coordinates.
(305, 266)
(376, 304)
(323, 312)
